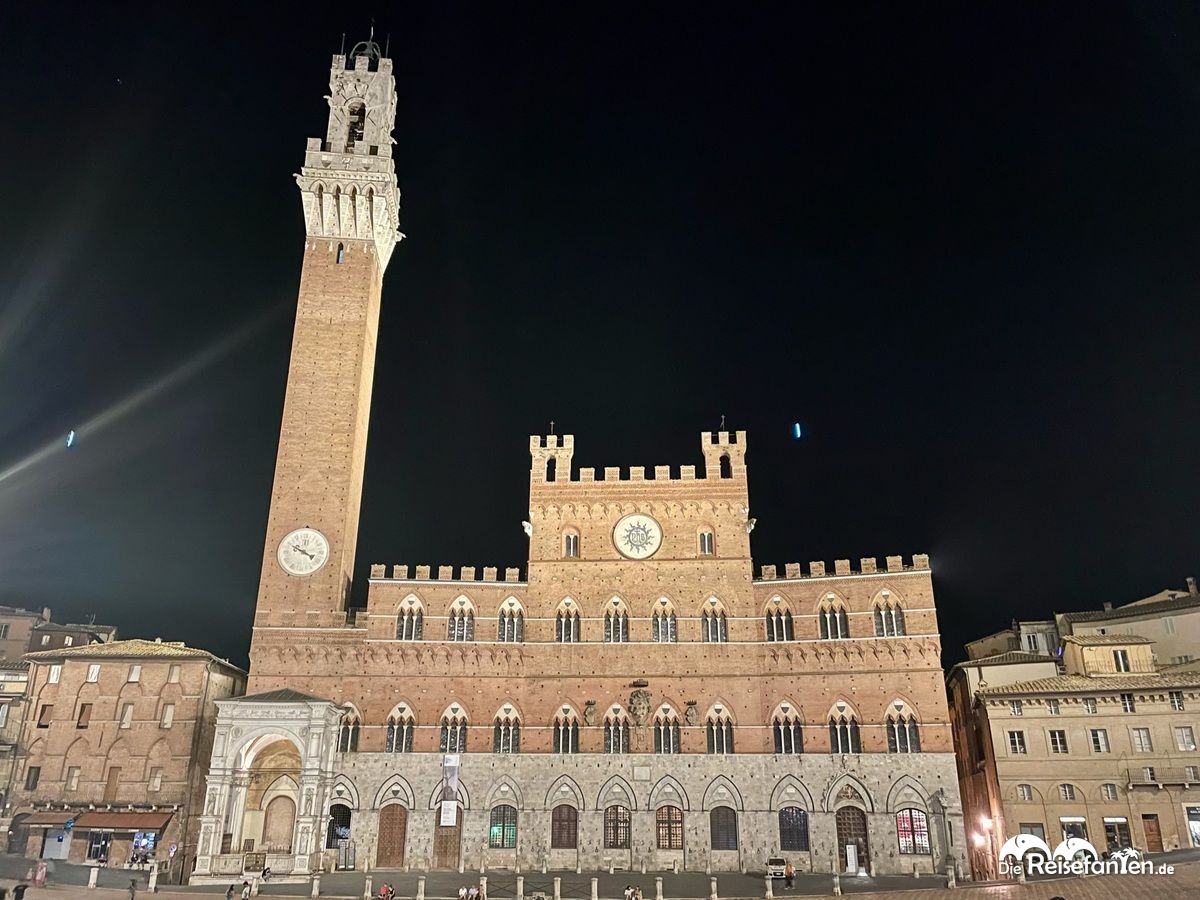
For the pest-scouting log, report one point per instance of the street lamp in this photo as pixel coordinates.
(985, 823)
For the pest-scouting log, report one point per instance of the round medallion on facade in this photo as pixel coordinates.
(303, 551)
(637, 536)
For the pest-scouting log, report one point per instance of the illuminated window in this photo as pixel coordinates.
(93, 673)
(617, 827)
(912, 830)
(668, 825)
(135, 673)
(55, 674)
(502, 831)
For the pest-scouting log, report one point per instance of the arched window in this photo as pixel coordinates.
(564, 827)
(566, 732)
(663, 628)
(668, 824)
(571, 544)
(779, 625)
(358, 124)
(889, 620)
(461, 625)
(617, 827)
(566, 626)
(903, 734)
(616, 733)
(410, 624)
(912, 830)
(453, 738)
(713, 627)
(551, 468)
(510, 626)
(843, 734)
(666, 732)
(341, 253)
(400, 728)
(787, 732)
(707, 542)
(793, 828)
(835, 625)
(616, 626)
(506, 734)
(348, 732)
(502, 830)
(338, 832)
(719, 733)
(722, 827)
(726, 466)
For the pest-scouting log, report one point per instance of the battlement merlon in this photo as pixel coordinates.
(487, 574)
(868, 565)
(551, 457)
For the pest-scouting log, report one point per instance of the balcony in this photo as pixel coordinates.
(1162, 776)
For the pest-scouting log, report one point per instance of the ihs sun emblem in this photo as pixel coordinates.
(638, 537)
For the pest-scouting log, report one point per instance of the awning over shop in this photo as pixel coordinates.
(45, 819)
(122, 821)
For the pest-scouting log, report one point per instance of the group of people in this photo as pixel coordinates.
(633, 892)
(387, 892)
(474, 892)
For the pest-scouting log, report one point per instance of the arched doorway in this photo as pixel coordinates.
(393, 828)
(852, 829)
(337, 835)
(278, 823)
(18, 835)
(447, 839)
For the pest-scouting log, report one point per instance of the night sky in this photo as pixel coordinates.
(960, 244)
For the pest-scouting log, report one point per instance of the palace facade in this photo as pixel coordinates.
(633, 696)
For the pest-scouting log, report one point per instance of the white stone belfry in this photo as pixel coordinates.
(348, 183)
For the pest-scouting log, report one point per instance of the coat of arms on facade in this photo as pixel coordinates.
(589, 713)
(639, 706)
(691, 715)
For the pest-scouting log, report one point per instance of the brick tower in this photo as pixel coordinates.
(351, 216)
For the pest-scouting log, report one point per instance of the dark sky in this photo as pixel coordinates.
(960, 243)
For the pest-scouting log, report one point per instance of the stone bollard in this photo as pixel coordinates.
(770, 888)
(658, 894)
(93, 875)
(316, 886)
(557, 888)
(152, 886)
(483, 886)
(675, 866)
(837, 885)
(643, 867)
(595, 889)
(367, 886)
(610, 867)
(420, 887)
(712, 889)
(951, 881)
(462, 864)
(520, 887)
(916, 871)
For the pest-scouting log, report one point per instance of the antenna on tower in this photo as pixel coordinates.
(552, 426)
(343, 50)
(387, 45)
(722, 428)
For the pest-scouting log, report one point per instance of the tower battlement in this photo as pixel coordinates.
(401, 572)
(868, 565)
(551, 457)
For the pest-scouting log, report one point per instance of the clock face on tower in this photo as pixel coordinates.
(637, 536)
(303, 551)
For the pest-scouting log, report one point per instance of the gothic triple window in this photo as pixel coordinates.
(566, 734)
(662, 627)
(835, 625)
(787, 733)
(719, 734)
(348, 732)
(903, 734)
(461, 625)
(843, 734)
(779, 625)
(616, 627)
(566, 627)
(616, 734)
(409, 624)
(510, 626)
(400, 730)
(889, 620)
(506, 734)
(713, 626)
(666, 733)
(453, 737)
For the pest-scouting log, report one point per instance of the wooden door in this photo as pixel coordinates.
(852, 829)
(278, 823)
(1154, 842)
(393, 827)
(447, 841)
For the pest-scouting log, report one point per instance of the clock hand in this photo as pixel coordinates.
(302, 550)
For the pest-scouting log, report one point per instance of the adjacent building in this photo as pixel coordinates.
(16, 630)
(1170, 618)
(1038, 636)
(1104, 750)
(23, 630)
(114, 744)
(632, 696)
(14, 676)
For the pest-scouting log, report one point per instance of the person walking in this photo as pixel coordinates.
(245, 890)
(229, 893)
(789, 874)
(132, 889)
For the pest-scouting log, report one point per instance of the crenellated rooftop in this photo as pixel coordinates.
(445, 573)
(868, 565)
